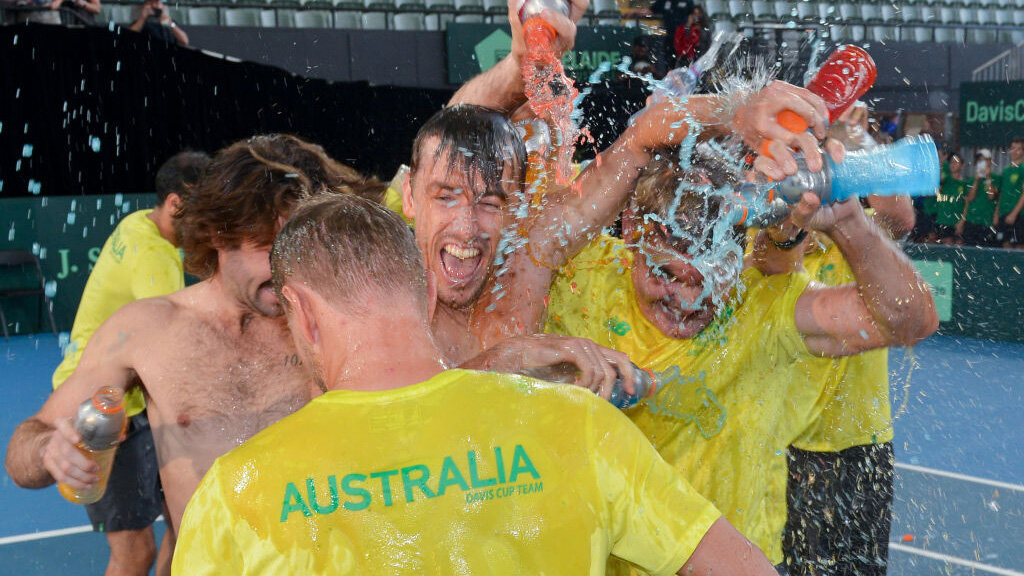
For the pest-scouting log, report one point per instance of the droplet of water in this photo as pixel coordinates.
(35, 187)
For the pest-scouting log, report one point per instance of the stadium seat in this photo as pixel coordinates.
(947, 14)
(312, 19)
(347, 20)
(967, 15)
(827, 11)
(119, 13)
(202, 16)
(724, 25)
(470, 18)
(783, 10)
(284, 17)
(241, 17)
(806, 10)
(496, 10)
(948, 34)
(869, 12)
(409, 21)
(739, 8)
(849, 12)
(373, 20)
(762, 10)
(715, 8)
(410, 5)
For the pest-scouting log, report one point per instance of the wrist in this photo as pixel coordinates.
(790, 242)
(854, 224)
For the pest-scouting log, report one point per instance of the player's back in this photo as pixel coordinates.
(465, 473)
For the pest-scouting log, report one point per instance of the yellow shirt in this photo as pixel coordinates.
(855, 408)
(136, 262)
(466, 473)
(726, 409)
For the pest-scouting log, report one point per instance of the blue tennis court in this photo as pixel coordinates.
(960, 462)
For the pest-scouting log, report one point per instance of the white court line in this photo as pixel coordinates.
(953, 560)
(965, 477)
(53, 533)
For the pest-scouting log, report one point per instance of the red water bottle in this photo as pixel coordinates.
(844, 77)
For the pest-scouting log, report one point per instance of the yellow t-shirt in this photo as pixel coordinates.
(136, 262)
(855, 408)
(727, 408)
(466, 473)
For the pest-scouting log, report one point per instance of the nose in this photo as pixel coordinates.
(465, 225)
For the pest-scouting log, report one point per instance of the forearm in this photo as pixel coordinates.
(1018, 207)
(898, 299)
(24, 454)
(895, 214)
(137, 25)
(500, 88)
(92, 7)
(180, 35)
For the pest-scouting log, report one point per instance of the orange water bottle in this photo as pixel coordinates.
(101, 422)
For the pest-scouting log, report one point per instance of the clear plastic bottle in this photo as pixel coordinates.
(646, 385)
(100, 421)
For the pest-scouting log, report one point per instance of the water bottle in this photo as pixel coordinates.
(100, 421)
(646, 385)
(534, 25)
(909, 166)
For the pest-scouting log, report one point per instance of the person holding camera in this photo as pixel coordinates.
(154, 19)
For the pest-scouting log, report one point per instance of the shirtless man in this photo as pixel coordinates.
(215, 360)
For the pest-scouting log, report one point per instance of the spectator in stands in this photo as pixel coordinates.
(640, 56)
(1010, 226)
(154, 19)
(80, 11)
(673, 13)
(692, 40)
(949, 203)
(38, 12)
(980, 205)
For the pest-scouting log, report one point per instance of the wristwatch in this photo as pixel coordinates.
(792, 242)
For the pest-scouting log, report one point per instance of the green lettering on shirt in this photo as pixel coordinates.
(408, 482)
(474, 477)
(332, 487)
(450, 475)
(293, 503)
(385, 483)
(346, 486)
(521, 464)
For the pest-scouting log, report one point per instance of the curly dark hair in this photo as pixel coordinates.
(250, 188)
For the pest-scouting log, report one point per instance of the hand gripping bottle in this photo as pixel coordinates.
(844, 77)
(536, 31)
(646, 386)
(100, 421)
(909, 166)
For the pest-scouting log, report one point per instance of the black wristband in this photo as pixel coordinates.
(791, 243)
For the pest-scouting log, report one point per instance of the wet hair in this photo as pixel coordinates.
(251, 186)
(179, 172)
(476, 141)
(344, 248)
(664, 188)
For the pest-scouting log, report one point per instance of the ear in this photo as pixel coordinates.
(431, 295)
(301, 314)
(630, 226)
(408, 206)
(172, 203)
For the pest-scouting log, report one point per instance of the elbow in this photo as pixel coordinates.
(915, 324)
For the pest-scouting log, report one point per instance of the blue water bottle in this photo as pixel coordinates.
(907, 167)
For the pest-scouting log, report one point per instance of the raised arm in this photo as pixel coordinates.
(501, 87)
(889, 304)
(725, 552)
(42, 449)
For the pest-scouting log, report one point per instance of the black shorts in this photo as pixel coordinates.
(839, 511)
(946, 231)
(133, 499)
(1011, 233)
(978, 235)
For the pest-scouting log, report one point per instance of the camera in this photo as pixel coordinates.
(158, 12)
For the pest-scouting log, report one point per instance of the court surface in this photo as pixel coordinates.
(959, 448)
